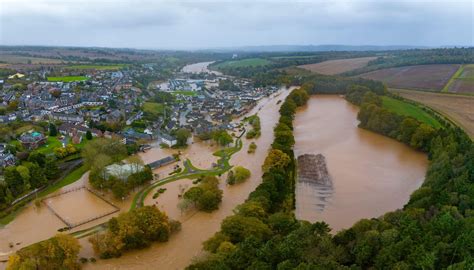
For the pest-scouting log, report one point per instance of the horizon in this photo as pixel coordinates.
(255, 48)
(203, 25)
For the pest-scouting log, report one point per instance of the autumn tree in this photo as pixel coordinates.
(59, 252)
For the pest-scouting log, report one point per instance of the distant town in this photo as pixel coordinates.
(110, 103)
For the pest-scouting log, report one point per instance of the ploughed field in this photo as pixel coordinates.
(458, 108)
(462, 81)
(333, 67)
(422, 77)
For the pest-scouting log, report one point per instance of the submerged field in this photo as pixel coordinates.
(333, 67)
(458, 108)
(422, 77)
(67, 79)
(407, 109)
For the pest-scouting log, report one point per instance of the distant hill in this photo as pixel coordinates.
(318, 48)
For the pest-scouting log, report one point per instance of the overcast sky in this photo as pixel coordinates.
(210, 24)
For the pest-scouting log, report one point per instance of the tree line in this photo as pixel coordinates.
(434, 230)
(35, 171)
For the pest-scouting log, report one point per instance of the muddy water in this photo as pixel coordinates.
(197, 227)
(371, 174)
(35, 224)
(199, 68)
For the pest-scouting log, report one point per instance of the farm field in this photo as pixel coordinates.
(407, 109)
(67, 79)
(422, 77)
(458, 108)
(333, 67)
(251, 62)
(18, 59)
(462, 81)
(98, 67)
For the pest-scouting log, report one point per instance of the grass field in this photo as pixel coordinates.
(333, 67)
(98, 67)
(69, 179)
(67, 79)
(186, 93)
(407, 109)
(250, 62)
(462, 81)
(423, 77)
(153, 108)
(458, 108)
(48, 147)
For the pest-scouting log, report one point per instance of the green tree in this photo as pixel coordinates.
(182, 136)
(135, 229)
(53, 131)
(89, 135)
(275, 159)
(59, 252)
(422, 137)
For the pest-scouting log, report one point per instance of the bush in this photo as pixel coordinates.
(133, 230)
(252, 148)
(206, 196)
(238, 175)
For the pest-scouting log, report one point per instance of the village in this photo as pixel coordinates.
(95, 102)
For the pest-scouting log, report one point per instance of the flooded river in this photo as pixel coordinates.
(371, 174)
(36, 224)
(199, 68)
(197, 227)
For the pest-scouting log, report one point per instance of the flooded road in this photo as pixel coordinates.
(199, 68)
(371, 174)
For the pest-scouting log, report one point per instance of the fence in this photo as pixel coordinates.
(73, 225)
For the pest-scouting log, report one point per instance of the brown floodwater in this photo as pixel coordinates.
(197, 227)
(200, 67)
(371, 174)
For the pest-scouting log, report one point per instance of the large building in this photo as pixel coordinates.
(31, 140)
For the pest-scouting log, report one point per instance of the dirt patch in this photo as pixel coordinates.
(458, 108)
(423, 77)
(333, 67)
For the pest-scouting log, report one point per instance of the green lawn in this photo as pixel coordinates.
(51, 143)
(186, 93)
(98, 67)
(153, 108)
(69, 179)
(67, 79)
(250, 62)
(411, 110)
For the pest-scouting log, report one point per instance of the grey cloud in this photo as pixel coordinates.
(198, 24)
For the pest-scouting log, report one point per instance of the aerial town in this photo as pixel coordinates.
(236, 135)
(108, 103)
